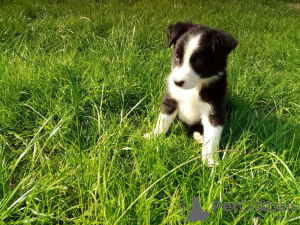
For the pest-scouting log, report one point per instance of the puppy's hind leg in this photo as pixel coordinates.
(196, 132)
(198, 137)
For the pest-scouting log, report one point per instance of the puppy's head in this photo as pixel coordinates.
(199, 52)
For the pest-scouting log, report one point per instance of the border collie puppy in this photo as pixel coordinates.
(196, 87)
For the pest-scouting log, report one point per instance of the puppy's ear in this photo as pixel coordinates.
(176, 30)
(223, 43)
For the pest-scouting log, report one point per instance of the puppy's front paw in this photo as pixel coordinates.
(207, 160)
(210, 160)
(148, 135)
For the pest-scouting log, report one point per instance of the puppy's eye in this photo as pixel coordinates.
(176, 57)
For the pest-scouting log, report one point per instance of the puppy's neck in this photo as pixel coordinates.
(206, 82)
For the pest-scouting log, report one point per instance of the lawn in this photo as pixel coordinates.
(81, 82)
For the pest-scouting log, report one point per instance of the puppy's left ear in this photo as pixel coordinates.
(176, 30)
(223, 43)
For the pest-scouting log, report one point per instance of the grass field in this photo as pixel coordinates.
(82, 81)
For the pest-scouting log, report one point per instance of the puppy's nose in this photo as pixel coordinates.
(178, 83)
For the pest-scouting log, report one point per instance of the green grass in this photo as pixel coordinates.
(82, 81)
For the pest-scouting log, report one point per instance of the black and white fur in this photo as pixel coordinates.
(196, 87)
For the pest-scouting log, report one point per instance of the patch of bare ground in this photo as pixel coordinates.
(294, 5)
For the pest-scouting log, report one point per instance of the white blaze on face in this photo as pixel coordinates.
(185, 73)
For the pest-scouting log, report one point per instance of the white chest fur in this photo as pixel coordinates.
(190, 106)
